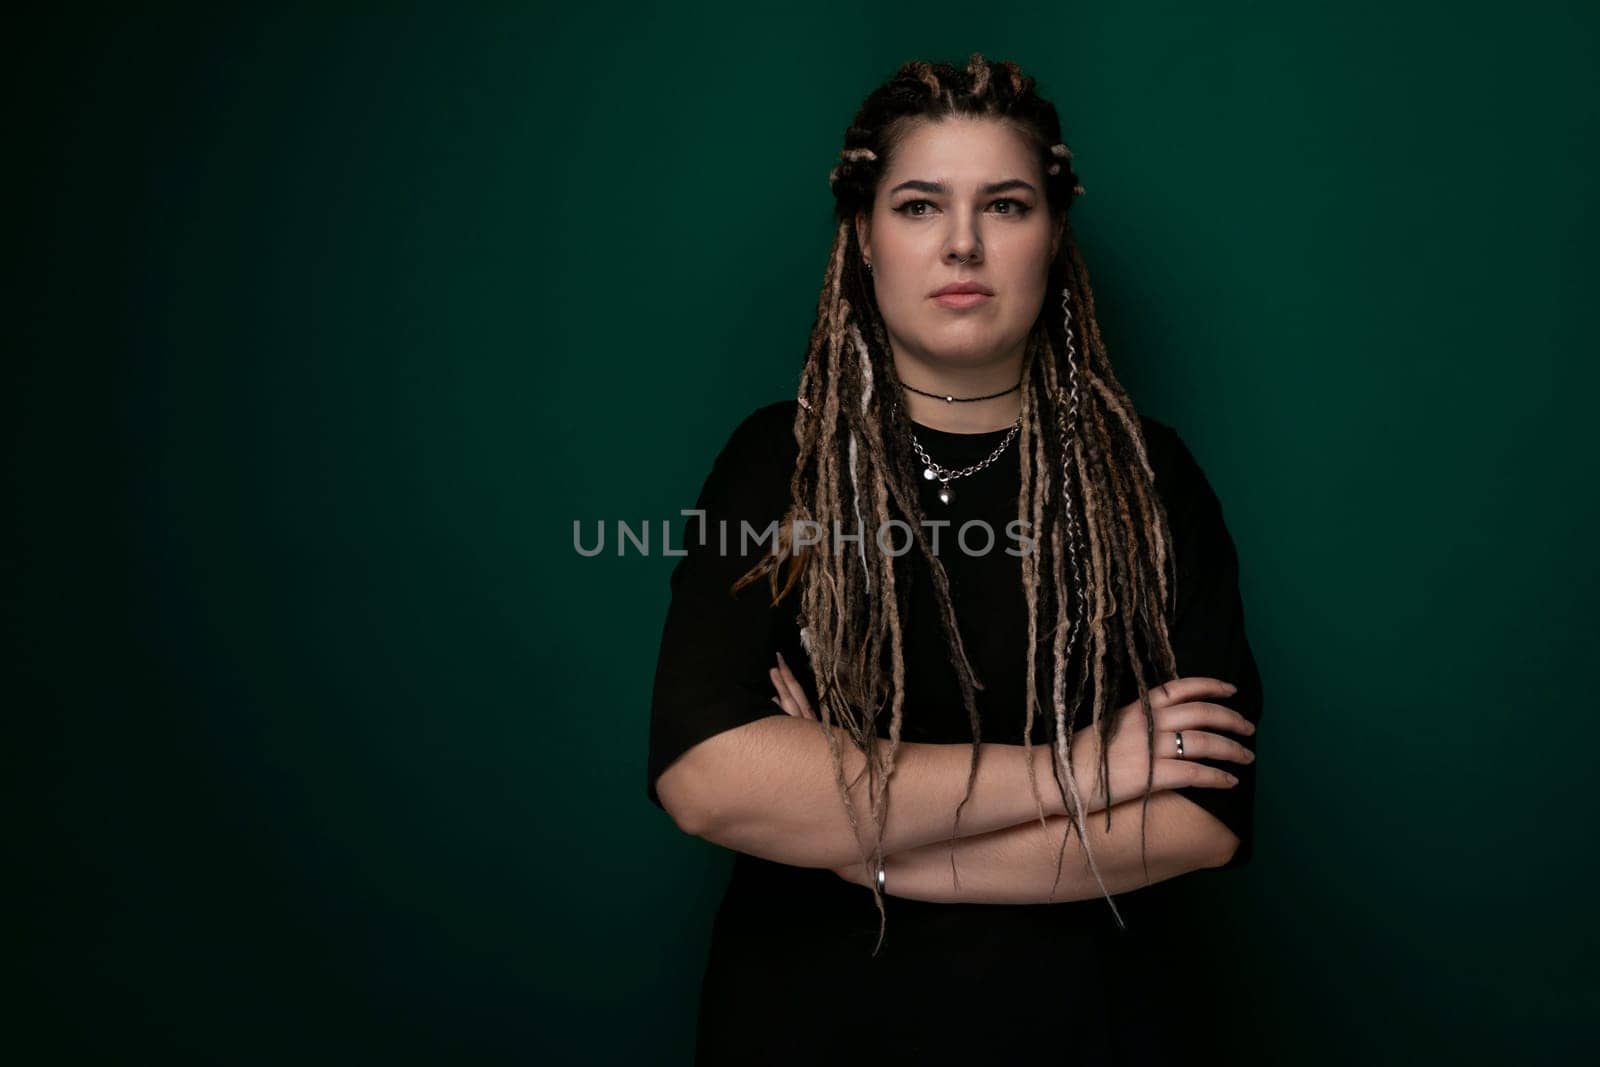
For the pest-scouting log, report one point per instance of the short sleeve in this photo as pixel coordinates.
(716, 648)
(1208, 630)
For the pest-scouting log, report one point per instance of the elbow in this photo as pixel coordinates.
(1227, 848)
(684, 818)
(680, 800)
(691, 793)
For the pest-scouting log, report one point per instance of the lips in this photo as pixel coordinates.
(958, 295)
(961, 288)
(961, 300)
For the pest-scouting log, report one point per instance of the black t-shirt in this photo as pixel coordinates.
(790, 976)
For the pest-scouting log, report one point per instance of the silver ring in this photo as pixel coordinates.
(1180, 744)
(880, 878)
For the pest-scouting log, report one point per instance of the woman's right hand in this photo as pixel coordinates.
(1178, 705)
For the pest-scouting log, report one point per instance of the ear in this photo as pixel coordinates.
(1055, 238)
(864, 233)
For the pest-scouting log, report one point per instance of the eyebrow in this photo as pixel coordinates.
(940, 187)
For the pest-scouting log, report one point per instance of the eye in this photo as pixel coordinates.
(1017, 206)
(905, 208)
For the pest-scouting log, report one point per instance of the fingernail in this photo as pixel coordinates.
(780, 659)
(1232, 780)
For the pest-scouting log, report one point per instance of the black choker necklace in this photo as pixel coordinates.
(962, 399)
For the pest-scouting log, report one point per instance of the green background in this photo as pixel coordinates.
(325, 328)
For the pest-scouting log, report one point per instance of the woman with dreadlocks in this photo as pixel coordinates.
(956, 626)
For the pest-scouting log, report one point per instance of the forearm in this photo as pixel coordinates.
(772, 792)
(1017, 864)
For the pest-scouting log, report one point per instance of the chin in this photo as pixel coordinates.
(970, 349)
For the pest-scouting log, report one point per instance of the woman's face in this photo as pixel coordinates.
(959, 189)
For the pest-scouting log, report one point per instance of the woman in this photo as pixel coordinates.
(970, 726)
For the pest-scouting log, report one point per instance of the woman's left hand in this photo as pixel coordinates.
(791, 698)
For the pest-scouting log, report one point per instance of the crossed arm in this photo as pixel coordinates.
(1027, 864)
(1018, 865)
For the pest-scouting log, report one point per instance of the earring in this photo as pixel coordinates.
(868, 262)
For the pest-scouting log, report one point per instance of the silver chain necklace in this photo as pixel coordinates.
(944, 475)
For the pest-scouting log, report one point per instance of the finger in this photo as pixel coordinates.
(801, 701)
(797, 692)
(781, 680)
(1181, 774)
(782, 699)
(1196, 714)
(794, 697)
(1201, 744)
(1192, 688)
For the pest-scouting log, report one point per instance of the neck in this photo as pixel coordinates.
(978, 416)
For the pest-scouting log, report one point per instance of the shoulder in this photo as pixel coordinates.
(768, 426)
(1169, 454)
(751, 472)
(762, 441)
(1180, 480)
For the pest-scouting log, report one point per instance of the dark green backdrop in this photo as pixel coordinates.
(323, 330)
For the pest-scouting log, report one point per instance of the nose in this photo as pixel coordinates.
(963, 246)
